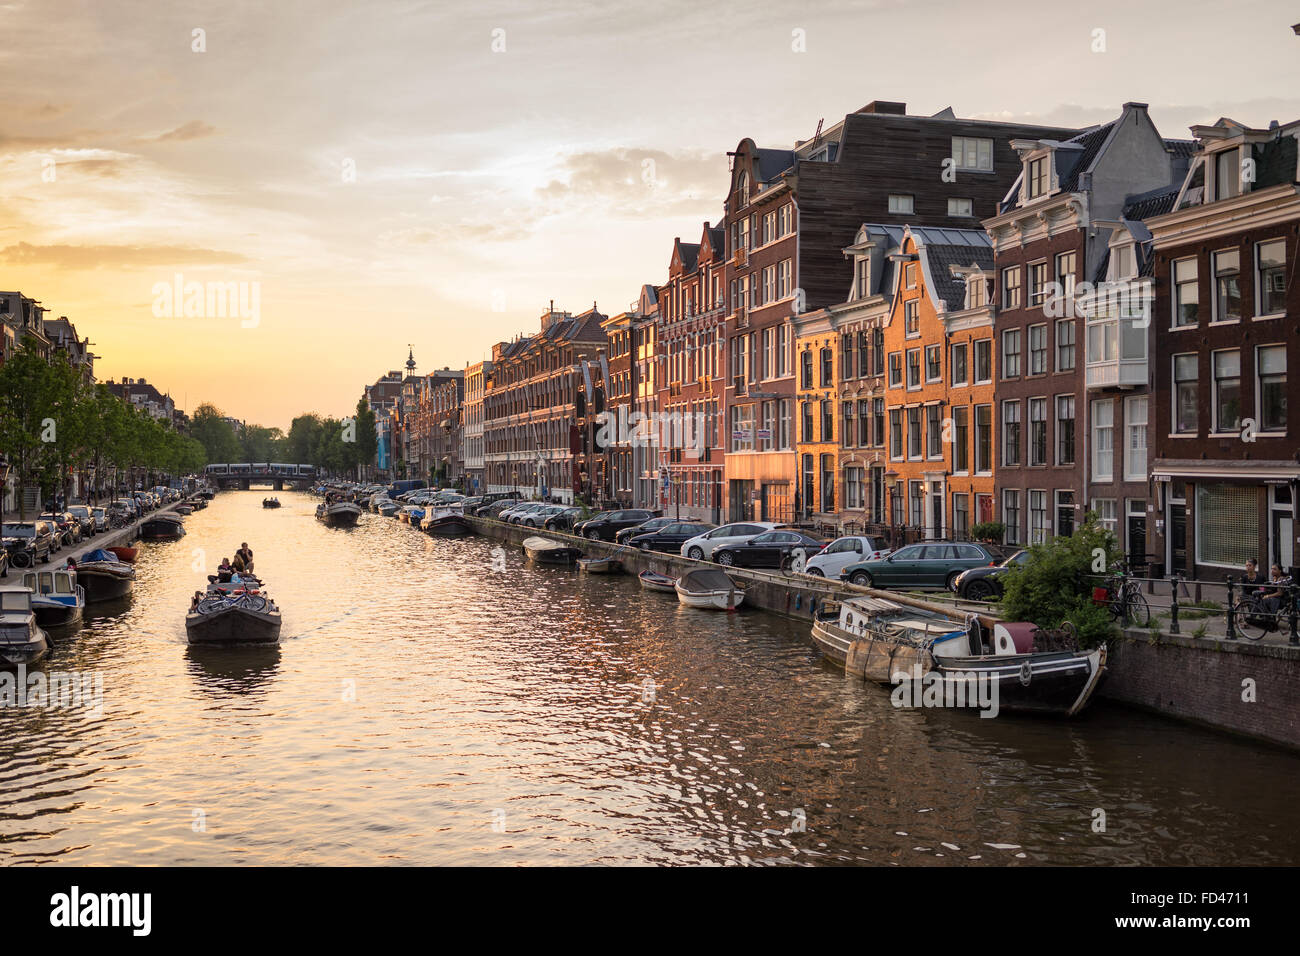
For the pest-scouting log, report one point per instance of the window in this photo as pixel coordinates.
(933, 363)
(849, 430)
(909, 276)
(1065, 345)
(864, 424)
(977, 294)
(959, 371)
(895, 369)
(1065, 274)
(785, 219)
(1038, 431)
(915, 496)
(1227, 174)
(828, 367)
(914, 432)
(1065, 429)
(1011, 433)
(782, 351)
(960, 515)
(1185, 394)
(1103, 440)
(1135, 444)
(854, 493)
(806, 369)
(1037, 517)
(1227, 286)
(983, 438)
(983, 361)
(1065, 513)
(1107, 516)
(900, 205)
(878, 421)
(1227, 390)
(847, 356)
(1011, 287)
(896, 433)
(1270, 365)
(862, 277)
(933, 432)
(961, 207)
(914, 368)
(1037, 283)
(784, 278)
(1186, 293)
(1036, 176)
(1227, 524)
(971, 152)
(828, 421)
(960, 439)
(912, 317)
(1037, 349)
(1011, 515)
(1270, 278)
(877, 351)
(1011, 353)
(786, 421)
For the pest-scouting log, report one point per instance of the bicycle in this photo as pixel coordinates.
(1124, 597)
(1253, 617)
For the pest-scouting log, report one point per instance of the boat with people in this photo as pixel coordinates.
(104, 576)
(337, 513)
(162, 527)
(1029, 669)
(547, 551)
(22, 640)
(654, 581)
(233, 611)
(709, 588)
(270, 502)
(57, 598)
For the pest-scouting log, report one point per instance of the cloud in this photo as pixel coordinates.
(194, 129)
(638, 181)
(98, 257)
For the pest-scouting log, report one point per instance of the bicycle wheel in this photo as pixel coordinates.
(1138, 610)
(1252, 620)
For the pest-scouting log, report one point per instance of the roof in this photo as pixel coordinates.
(1155, 202)
(1091, 142)
(941, 249)
(773, 162)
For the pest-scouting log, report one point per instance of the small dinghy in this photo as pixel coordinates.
(270, 502)
(338, 514)
(654, 581)
(163, 527)
(600, 565)
(233, 612)
(21, 639)
(57, 598)
(123, 554)
(709, 588)
(545, 551)
(103, 577)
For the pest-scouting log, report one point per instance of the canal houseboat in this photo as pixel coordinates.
(57, 598)
(709, 588)
(891, 643)
(22, 641)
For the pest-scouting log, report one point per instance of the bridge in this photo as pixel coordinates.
(280, 475)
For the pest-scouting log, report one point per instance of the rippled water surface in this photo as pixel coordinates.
(423, 708)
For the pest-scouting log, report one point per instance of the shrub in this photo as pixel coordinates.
(989, 531)
(1056, 583)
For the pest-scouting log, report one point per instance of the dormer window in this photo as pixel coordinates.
(977, 291)
(1227, 174)
(1038, 177)
(861, 277)
(1123, 262)
(742, 189)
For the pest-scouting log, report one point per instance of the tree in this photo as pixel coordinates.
(367, 443)
(1056, 583)
(29, 398)
(214, 433)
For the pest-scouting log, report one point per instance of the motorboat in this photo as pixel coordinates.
(270, 502)
(1029, 669)
(338, 514)
(124, 553)
(546, 551)
(104, 577)
(57, 598)
(22, 640)
(446, 523)
(163, 527)
(709, 588)
(233, 612)
(600, 565)
(184, 510)
(411, 514)
(387, 507)
(654, 581)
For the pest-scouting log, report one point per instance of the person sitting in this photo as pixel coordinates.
(194, 601)
(1275, 593)
(246, 553)
(1252, 578)
(238, 564)
(224, 571)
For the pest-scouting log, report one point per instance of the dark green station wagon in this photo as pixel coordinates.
(933, 564)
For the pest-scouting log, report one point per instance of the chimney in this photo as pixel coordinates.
(885, 106)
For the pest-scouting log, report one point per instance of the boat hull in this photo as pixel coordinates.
(342, 515)
(450, 526)
(545, 551)
(162, 529)
(650, 581)
(124, 554)
(55, 614)
(711, 600)
(600, 566)
(30, 652)
(103, 585)
(233, 625)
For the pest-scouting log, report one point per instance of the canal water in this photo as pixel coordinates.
(426, 707)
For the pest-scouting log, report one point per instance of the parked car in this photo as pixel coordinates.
(100, 515)
(605, 525)
(513, 515)
(66, 530)
(840, 553)
(488, 500)
(27, 542)
(537, 519)
(702, 546)
(772, 549)
(669, 537)
(934, 564)
(985, 583)
(653, 524)
(85, 519)
(494, 510)
(563, 519)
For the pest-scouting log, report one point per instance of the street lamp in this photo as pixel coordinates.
(4, 487)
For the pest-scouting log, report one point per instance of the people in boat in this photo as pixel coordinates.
(194, 601)
(246, 553)
(224, 571)
(238, 564)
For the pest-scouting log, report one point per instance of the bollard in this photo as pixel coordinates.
(1173, 610)
(1295, 637)
(1232, 614)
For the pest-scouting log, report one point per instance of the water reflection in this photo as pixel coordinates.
(425, 708)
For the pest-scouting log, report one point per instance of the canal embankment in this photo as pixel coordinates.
(114, 537)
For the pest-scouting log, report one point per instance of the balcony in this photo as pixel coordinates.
(1116, 355)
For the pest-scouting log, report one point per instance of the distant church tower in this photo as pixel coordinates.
(410, 361)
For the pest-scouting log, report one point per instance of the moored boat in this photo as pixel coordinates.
(890, 643)
(162, 527)
(654, 581)
(22, 641)
(709, 588)
(546, 551)
(446, 523)
(184, 510)
(600, 565)
(57, 598)
(338, 514)
(123, 553)
(103, 577)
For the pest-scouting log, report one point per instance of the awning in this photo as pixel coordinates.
(1276, 471)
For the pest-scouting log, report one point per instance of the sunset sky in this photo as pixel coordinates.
(487, 183)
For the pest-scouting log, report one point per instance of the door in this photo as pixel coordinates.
(1177, 537)
(1136, 529)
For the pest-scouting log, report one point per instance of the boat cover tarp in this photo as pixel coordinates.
(706, 579)
(99, 554)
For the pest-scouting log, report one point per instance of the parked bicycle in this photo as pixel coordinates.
(1124, 598)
